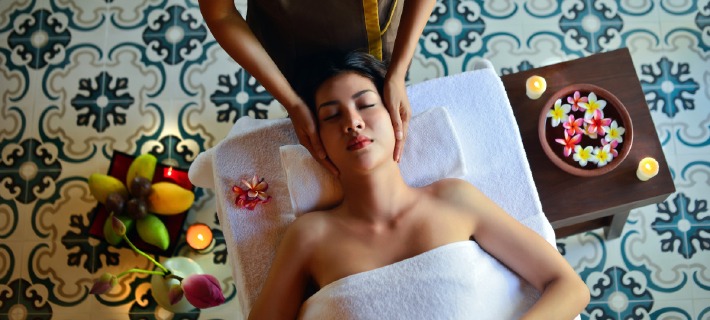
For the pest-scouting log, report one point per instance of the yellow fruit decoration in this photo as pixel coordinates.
(168, 198)
(102, 185)
(142, 166)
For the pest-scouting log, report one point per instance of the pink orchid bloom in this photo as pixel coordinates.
(575, 100)
(613, 144)
(573, 126)
(104, 284)
(597, 123)
(253, 194)
(202, 291)
(569, 142)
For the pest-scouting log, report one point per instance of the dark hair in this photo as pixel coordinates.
(323, 67)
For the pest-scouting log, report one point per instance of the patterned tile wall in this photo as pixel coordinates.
(81, 79)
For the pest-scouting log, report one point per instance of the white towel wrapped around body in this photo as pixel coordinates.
(492, 150)
(454, 281)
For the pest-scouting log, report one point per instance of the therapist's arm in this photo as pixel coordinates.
(237, 39)
(415, 15)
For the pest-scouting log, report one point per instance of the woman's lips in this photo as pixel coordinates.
(358, 143)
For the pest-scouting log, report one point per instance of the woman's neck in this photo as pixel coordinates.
(380, 196)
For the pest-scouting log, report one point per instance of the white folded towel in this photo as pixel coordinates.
(455, 281)
(432, 152)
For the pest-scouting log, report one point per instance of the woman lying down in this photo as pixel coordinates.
(384, 228)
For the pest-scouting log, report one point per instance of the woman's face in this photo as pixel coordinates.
(354, 125)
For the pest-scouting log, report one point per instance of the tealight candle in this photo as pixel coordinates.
(535, 86)
(648, 168)
(199, 236)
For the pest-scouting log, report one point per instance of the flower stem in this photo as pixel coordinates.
(166, 271)
(160, 273)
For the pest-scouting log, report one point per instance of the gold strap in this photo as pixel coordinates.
(372, 25)
(389, 19)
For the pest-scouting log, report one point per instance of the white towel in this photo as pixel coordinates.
(432, 152)
(455, 281)
(481, 116)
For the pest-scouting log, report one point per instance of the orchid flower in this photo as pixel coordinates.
(572, 126)
(613, 144)
(597, 123)
(253, 194)
(575, 100)
(614, 132)
(603, 155)
(558, 112)
(583, 155)
(201, 290)
(592, 106)
(569, 142)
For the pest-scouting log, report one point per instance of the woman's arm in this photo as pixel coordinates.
(564, 294)
(285, 286)
(236, 38)
(414, 17)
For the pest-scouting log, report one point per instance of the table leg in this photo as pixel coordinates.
(614, 229)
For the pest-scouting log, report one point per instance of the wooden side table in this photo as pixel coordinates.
(565, 198)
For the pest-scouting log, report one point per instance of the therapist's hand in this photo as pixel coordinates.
(306, 130)
(397, 103)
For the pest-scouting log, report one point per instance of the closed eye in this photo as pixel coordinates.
(366, 106)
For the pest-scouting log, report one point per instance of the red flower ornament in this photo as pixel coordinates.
(253, 193)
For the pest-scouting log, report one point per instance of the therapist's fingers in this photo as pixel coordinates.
(318, 152)
(404, 116)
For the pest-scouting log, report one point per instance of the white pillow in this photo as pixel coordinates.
(432, 152)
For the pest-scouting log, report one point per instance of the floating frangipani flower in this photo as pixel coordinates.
(614, 132)
(597, 123)
(613, 145)
(569, 142)
(592, 105)
(588, 133)
(603, 155)
(575, 100)
(583, 155)
(558, 112)
(572, 126)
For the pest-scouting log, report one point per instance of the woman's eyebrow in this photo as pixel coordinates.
(335, 102)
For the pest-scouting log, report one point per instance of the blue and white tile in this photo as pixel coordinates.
(702, 308)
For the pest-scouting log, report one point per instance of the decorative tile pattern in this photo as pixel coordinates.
(80, 79)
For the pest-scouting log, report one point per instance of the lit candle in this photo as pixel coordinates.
(648, 168)
(535, 86)
(199, 236)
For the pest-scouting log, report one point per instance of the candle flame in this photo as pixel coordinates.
(200, 237)
(170, 171)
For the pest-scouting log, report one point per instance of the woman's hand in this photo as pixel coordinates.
(397, 103)
(305, 127)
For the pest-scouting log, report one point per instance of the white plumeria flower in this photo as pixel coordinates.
(592, 105)
(559, 112)
(602, 155)
(583, 155)
(614, 133)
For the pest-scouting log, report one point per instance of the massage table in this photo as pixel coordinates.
(478, 141)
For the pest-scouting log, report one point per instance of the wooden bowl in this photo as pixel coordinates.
(614, 110)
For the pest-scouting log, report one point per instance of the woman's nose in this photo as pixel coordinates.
(353, 122)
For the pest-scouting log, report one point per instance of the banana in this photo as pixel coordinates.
(143, 166)
(102, 185)
(168, 198)
(153, 231)
(111, 236)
